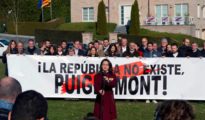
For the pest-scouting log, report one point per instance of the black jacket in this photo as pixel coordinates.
(128, 53)
(203, 52)
(171, 55)
(185, 50)
(33, 51)
(4, 114)
(195, 54)
(81, 52)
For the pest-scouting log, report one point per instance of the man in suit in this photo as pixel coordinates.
(163, 48)
(174, 52)
(195, 51)
(144, 43)
(124, 46)
(78, 51)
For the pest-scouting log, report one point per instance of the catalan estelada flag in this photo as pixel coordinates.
(44, 3)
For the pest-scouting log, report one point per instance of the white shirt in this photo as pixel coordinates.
(76, 52)
(124, 49)
(175, 54)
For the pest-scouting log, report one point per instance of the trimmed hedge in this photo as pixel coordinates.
(28, 28)
(87, 27)
(57, 36)
(157, 36)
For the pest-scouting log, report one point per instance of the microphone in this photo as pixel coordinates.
(103, 82)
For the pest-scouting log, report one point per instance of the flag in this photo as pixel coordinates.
(44, 3)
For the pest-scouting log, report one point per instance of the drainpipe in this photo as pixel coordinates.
(148, 14)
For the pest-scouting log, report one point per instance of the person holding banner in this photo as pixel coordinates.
(104, 81)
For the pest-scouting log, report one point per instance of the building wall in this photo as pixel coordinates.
(199, 22)
(77, 6)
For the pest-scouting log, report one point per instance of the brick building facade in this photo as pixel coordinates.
(164, 13)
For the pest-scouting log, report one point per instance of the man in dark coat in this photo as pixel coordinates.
(185, 49)
(31, 49)
(78, 51)
(174, 52)
(195, 51)
(203, 51)
(163, 48)
(144, 43)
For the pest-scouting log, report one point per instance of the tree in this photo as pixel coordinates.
(101, 19)
(11, 10)
(134, 28)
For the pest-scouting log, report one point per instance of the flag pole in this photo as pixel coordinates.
(42, 14)
(51, 10)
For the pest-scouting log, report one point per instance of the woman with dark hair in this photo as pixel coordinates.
(104, 81)
(52, 51)
(93, 52)
(11, 49)
(174, 110)
(112, 51)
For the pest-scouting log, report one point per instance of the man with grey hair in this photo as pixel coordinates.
(163, 47)
(10, 88)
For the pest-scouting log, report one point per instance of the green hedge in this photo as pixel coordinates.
(84, 26)
(157, 36)
(175, 38)
(87, 27)
(28, 28)
(57, 36)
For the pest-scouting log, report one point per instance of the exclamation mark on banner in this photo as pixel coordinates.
(164, 85)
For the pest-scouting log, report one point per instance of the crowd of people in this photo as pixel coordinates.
(31, 105)
(105, 48)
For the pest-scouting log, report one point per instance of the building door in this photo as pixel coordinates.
(125, 13)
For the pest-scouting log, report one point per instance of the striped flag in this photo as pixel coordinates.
(44, 3)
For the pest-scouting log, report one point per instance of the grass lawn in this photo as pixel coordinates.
(60, 109)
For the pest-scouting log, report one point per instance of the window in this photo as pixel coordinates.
(203, 11)
(198, 11)
(88, 14)
(161, 11)
(181, 10)
(197, 33)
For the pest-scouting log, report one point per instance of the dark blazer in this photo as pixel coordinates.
(81, 52)
(142, 49)
(185, 50)
(4, 114)
(195, 54)
(203, 52)
(171, 55)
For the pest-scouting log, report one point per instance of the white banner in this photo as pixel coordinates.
(146, 78)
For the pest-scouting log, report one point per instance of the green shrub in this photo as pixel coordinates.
(134, 28)
(101, 19)
(28, 28)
